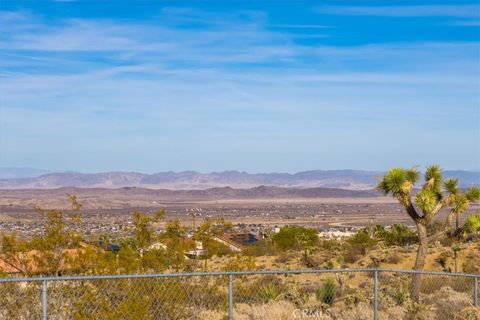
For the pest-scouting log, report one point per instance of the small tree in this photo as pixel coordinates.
(14, 254)
(295, 237)
(175, 233)
(143, 230)
(400, 234)
(435, 195)
(46, 252)
(361, 241)
(206, 233)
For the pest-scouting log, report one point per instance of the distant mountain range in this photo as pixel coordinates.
(15, 173)
(145, 197)
(15, 178)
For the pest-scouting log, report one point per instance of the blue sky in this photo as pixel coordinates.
(254, 85)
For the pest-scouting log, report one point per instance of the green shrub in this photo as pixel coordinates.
(330, 244)
(472, 223)
(400, 297)
(264, 247)
(295, 237)
(362, 241)
(269, 292)
(419, 311)
(394, 258)
(240, 263)
(352, 254)
(326, 293)
(286, 257)
(262, 289)
(329, 265)
(400, 235)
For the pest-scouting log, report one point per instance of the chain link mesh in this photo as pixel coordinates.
(322, 295)
(20, 300)
(440, 297)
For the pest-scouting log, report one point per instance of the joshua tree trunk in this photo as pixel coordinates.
(455, 259)
(420, 261)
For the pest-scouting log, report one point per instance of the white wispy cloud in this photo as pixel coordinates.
(236, 81)
(300, 26)
(138, 57)
(461, 10)
(227, 42)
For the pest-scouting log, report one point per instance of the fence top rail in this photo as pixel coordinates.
(228, 273)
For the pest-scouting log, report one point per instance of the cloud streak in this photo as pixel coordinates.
(461, 11)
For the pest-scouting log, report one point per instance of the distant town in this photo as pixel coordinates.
(334, 217)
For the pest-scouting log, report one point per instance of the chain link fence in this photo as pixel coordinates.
(282, 294)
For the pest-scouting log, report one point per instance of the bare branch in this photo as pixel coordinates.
(14, 266)
(412, 212)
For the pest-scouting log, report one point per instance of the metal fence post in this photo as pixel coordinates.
(230, 297)
(375, 295)
(475, 291)
(44, 300)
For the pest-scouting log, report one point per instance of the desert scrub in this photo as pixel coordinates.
(269, 292)
(443, 260)
(432, 284)
(239, 263)
(330, 245)
(400, 297)
(469, 313)
(394, 258)
(329, 265)
(419, 311)
(19, 300)
(472, 262)
(361, 241)
(314, 262)
(296, 294)
(261, 290)
(354, 298)
(264, 247)
(286, 257)
(273, 310)
(448, 302)
(326, 293)
(361, 311)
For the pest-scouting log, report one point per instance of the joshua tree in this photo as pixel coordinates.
(435, 195)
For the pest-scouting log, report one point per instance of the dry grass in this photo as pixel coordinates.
(448, 302)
